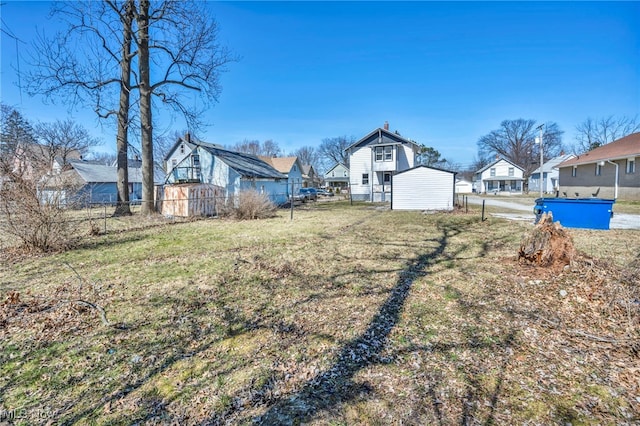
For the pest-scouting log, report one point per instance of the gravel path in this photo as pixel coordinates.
(618, 221)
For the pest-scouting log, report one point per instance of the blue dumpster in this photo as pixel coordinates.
(590, 213)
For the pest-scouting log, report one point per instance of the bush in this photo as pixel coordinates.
(248, 205)
(39, 222)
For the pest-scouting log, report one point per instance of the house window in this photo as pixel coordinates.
(631, 165)
(333, 174)
(365, 178)
(388, 153)
(345, 174)
(174, 163)
(492, 172)
(384, 153)
(379, 153)
(181, 148)
(574, 171)
(511, 171)
(386, 178)
(598, 169)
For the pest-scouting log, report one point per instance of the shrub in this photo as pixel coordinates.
(35, 218)
(247, 205)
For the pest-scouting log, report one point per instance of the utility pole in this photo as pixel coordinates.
(541, 172)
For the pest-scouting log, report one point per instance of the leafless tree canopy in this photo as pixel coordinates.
(308, 155)
(593, 133)
(268, 148)
(64, 138)
(515, 141)
(332, 150)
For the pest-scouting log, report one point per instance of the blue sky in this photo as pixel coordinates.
(441, 73)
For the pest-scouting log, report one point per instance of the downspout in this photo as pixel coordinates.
(615, 193)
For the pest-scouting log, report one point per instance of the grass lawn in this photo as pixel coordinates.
(345, 315)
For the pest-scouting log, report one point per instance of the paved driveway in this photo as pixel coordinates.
(525, 206)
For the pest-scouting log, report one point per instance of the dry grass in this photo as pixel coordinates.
(347, 315)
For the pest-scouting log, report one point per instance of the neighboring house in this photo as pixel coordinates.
(423, 188)
(609, 171)
(32, 160)
(230, 171)
(550, 175)
(337, 177)
(291, 168)
(181, 150)
(90, 182)
(463, 186)
(500, 176)
(310, 179)
(374, 159)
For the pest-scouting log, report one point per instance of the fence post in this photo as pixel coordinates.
(291, 198)
(105, 218)
(483, 210)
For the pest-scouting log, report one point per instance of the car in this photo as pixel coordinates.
(325, 193)
(309, 194)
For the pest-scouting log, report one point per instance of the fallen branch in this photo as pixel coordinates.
(580, 333)
(101, 312)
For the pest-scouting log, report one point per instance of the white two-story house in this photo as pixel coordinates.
(374, 159)
(500, 176)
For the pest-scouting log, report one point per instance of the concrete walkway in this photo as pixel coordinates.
(618, 221)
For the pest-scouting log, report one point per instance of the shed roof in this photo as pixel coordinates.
(426, 167)
(627, 147)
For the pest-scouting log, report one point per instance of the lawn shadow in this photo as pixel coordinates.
(334, 385)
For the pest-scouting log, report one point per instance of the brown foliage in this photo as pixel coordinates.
(249, 205)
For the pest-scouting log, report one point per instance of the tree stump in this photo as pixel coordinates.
(548, 245)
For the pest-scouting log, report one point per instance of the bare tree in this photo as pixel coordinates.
(515, 141)
(332, 150)
(89, 63)
(64, 139)
(180, 39)
(593, 133)
(105, 158)
(308, 155)
(162, 143)
(268, 148)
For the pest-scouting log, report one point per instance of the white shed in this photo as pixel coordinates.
(423, 188)
(463, 186)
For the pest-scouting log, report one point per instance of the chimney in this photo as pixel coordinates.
(187, 137)
(386, 125)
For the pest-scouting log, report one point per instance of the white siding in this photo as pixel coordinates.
(359, 163)
(464, 187)
(423, 188)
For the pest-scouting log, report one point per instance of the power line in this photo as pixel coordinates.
(6, 30)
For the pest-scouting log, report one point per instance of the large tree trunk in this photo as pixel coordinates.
(122, 207)
(145, 109)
